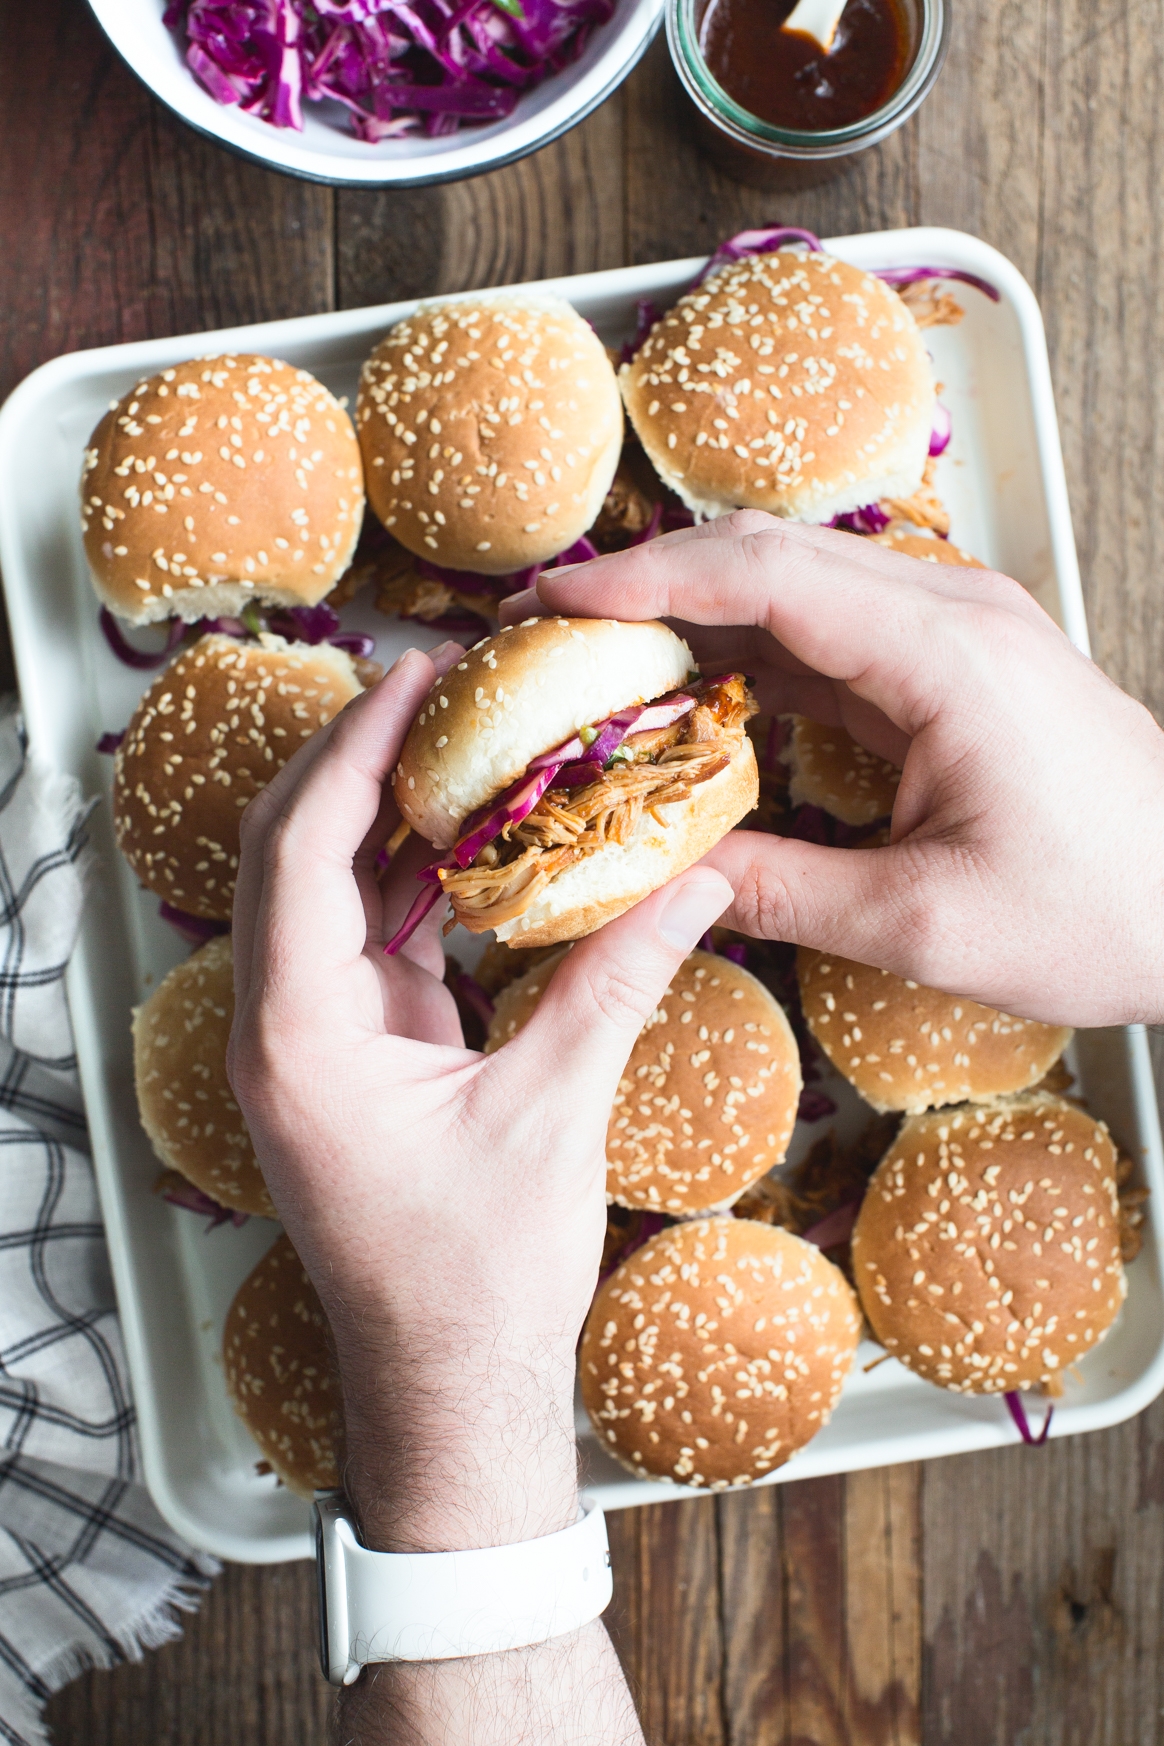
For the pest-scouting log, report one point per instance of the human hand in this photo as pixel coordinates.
(1026, 860)
(449, 1206)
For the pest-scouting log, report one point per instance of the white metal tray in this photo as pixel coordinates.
(1002, 478)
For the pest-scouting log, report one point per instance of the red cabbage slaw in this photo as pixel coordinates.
(298, 624)
(399, 67)
(179, 1192)
(1018, 1413)
(576, 761)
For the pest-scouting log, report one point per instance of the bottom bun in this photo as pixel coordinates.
(592, 892)
(279, 1372)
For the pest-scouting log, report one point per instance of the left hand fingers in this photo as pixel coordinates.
(297, 902)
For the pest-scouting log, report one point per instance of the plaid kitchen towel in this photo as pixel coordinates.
(89, 1573)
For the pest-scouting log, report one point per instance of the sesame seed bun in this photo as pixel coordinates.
(827, 768)
(183, 1095)
(516, 695)
(716, 1351)
(707, 1101)
(912, 1048)
(279, 1372)
(987, 1250)
(218, 482)
(206, 737)
(491, 429)
(788, 381)
(929, 547)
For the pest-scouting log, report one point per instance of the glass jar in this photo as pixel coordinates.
(764, 156)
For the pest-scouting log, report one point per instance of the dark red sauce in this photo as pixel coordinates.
(788, 80)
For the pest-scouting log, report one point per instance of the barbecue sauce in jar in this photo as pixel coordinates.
(787, 79)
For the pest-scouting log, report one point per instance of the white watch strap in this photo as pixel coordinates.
(435, 1606)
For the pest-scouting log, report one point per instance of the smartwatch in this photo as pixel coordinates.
(439, 1606)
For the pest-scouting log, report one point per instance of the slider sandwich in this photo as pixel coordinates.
(707, 1101)
(716, 1351)
(905, 1047)
(565, 769)
(218, 483)
(184, 1097)
(491, 428)
(279, 1372)
(987, 1248)
(207, 736)
(788, 381)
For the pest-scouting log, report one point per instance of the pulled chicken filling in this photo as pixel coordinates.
(647, 772)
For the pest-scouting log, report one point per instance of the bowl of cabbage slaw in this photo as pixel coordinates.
(381, 93)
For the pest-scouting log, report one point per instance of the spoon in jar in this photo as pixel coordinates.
(815, 19)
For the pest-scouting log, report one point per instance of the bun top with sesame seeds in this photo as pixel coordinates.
(491, 428)
(517, 695)
(987, 1248)
(716, 1351)
(788, 381)
(279, 1372)
(930, 547)
(207, 735)
(217, 482)
(184, 1097)
(912, 1048)
(827, 768)
(707, 1101)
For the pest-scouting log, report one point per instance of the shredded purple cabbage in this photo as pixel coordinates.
(298, 624)
(1018, 1413)
(776, 740)
(181, 1193)
(304, 624)
(142, 659)
(398, 67)
(941, 432)
(811, 824)
(899, 276)
(758, 242)
(196, 928)
(814, 1106)
(475, 997)
(836, 1227)
(647, 313)
(871, 519)
(108, 743)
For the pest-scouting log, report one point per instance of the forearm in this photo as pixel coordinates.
(451, 1447)
(570, 1691)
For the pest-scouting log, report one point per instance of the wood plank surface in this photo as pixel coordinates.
(1008, 1599)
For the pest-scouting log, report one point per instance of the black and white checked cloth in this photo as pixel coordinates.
(89, 1573)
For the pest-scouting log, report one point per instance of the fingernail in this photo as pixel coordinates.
(691, 911)
(526, 602)
(560, 570)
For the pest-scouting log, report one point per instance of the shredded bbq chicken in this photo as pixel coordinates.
(930, 305)
(653, 770)
(925, 508)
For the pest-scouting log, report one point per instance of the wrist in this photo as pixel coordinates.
(461, 1446)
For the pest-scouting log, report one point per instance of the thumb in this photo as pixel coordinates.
(876, 906)
(606, 988)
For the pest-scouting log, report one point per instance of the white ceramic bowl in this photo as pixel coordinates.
(326, 151)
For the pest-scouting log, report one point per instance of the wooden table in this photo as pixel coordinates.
(1001, 1598)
